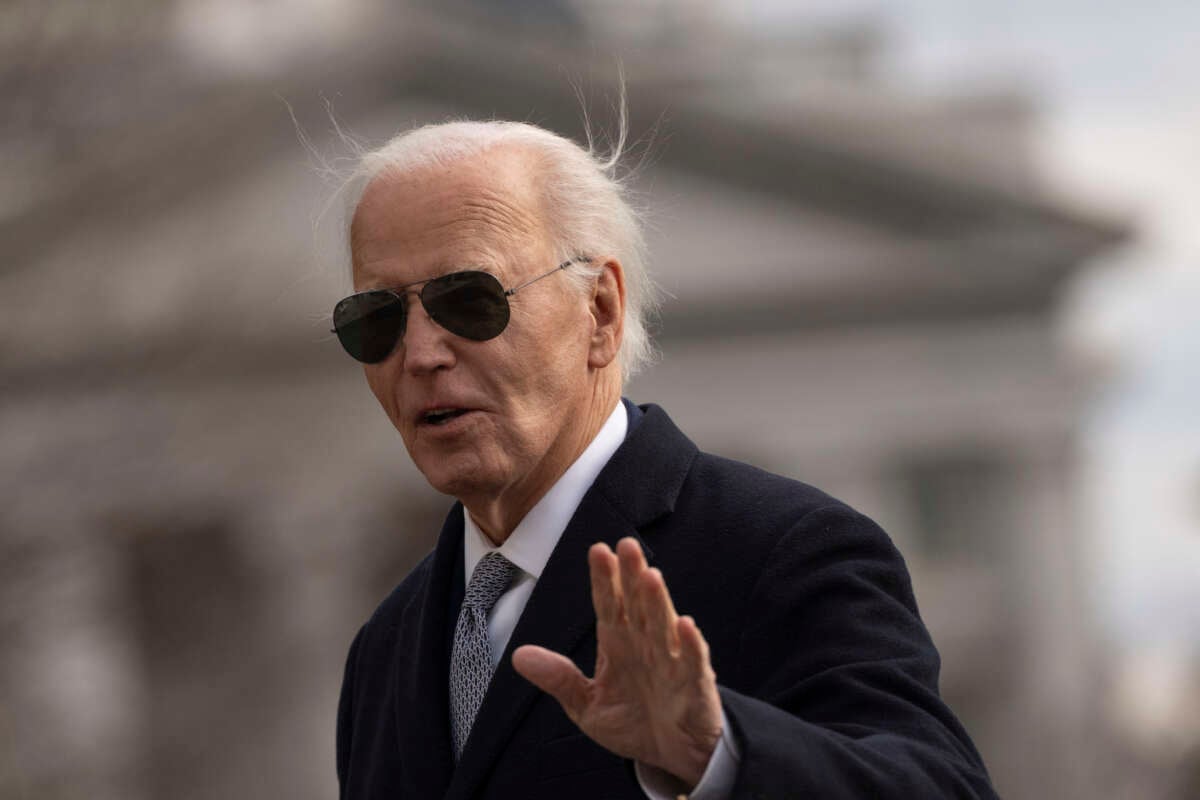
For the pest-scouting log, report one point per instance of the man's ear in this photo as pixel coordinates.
(608, 314)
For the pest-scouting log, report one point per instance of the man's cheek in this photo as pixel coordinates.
(382, 389)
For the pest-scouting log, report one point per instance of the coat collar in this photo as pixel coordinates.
(638, 485)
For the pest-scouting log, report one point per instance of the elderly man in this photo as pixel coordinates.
(499, 305)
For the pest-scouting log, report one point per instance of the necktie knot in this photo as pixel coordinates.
(491, 578)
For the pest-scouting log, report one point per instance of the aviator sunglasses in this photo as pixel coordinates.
(471, 304)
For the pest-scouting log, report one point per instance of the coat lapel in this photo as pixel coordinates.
(422, 675)
(639, 484)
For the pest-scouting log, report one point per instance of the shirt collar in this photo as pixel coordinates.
(535, 537)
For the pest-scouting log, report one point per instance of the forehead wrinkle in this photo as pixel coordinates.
(490, 213)
(496, 210)
(485, 227)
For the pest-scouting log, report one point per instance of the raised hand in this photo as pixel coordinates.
(653, 697)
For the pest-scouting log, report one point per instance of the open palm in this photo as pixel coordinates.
(653, 697)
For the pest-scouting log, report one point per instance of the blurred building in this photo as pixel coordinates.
(203, 503)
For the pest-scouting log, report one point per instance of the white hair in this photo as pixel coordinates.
(588, 205)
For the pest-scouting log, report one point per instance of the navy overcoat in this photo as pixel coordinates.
(827, 674)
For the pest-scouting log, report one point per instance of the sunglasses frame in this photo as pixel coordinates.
(401, 294)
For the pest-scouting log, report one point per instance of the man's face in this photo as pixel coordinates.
(515, 396)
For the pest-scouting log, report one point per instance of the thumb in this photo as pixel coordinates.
(554, 674)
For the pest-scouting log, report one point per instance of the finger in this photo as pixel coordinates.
(693, 649)
(554, 674)
(659, 611)
(606, 597)
(633, 564)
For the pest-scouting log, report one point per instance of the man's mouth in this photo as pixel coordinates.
(440, 416)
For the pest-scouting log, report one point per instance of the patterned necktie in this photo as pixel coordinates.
(471, 659)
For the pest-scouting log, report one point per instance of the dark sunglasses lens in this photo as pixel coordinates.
(468, 304)
(369, 324)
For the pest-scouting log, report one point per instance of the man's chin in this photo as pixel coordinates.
(458, 477)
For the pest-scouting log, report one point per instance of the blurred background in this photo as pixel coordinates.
(976, 222)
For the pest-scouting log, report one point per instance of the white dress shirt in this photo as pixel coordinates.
(529, 548)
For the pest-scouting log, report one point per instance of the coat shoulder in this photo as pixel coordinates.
(768, 503)
(743, 519)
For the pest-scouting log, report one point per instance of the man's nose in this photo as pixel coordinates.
(426, 345)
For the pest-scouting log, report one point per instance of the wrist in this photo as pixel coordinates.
(694, 761)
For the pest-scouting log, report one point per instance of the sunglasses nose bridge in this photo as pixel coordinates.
(413, 302)
(425, 344)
